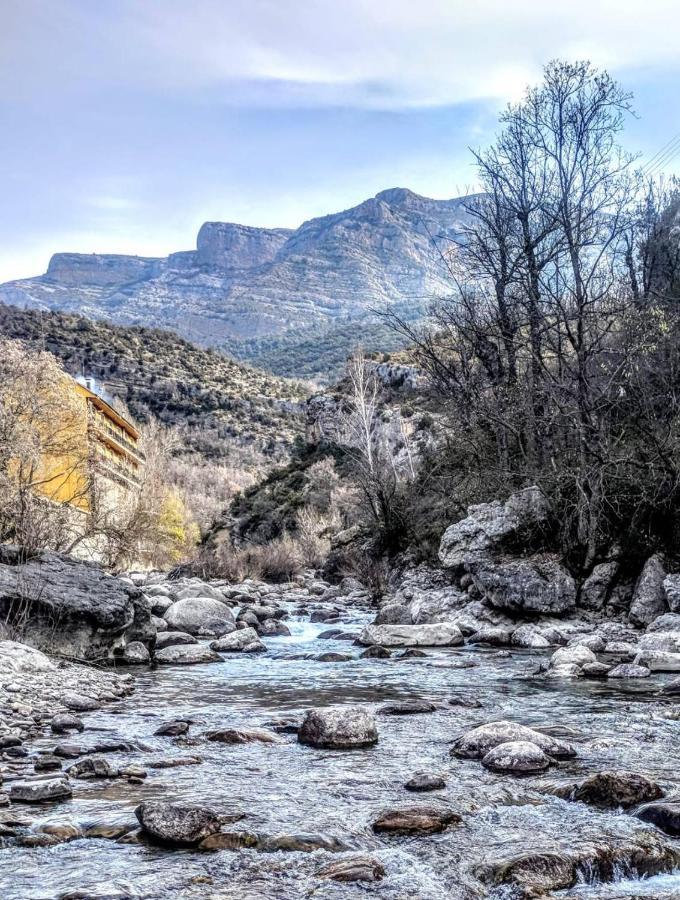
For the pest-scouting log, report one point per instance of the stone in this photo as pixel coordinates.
(199, 590)
(62, 723)
(216, 628)
(665, 622)
(353, 868)
(665, 816)
(595, 670)
(192, 613)
(136, 654)
(576, 655)
(414, 820)
(236, 641)
(628, 670)
(491, 526)
(658, 661)
(172, 729)
(611, 790)
(79, 702)
(187, 655)
(530, 637)
(671, 587)
(302, 843)
(375, 651)
(243, 736)
(177, 823)
(273, 628)
(39, 791)
(597, 587)
(517, 758)
(323, 615)
(649, 597)
(173, 639)
(338, 728)
(230, 840)
(436, 635)
(424, 782)
(413, 653)
(407, 708)
(394, 613)
(93, 767)
(538, 585)
(673, 687)
(477, 742)
(332, 656)
(495, 636)
(19, 658)
(46, 762)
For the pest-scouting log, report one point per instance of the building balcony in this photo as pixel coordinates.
(108, 433)
(117, 472)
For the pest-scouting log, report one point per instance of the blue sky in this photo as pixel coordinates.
(127, 123)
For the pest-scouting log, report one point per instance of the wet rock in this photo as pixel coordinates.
(475, 744)
(93, 767)
(424, 782)
(666, 816)
(658, 661)
(182, 655)
(375, 652)
(668, 641)
(413, 653)
(79, 702)
(628, 670)
(440, 634)
(517, 758)
(243, 736)
(63, 831)
(173, 639)
(105, 832)
(530, 637)
(133, 771)
(665, 622)
(610, 790)
(248, 618)
(568, 661)
(673, 687)
(323, 615)
(136, 654)
(191, 614)
(649, 597)
(595, 670)
(68, 750)
(338, 728)
(332, 656)
(230, 840)
(671, 587)
(536, 584)
(594, 642)
(354, 868)
(329, 634)
(407, 708)
(172, 729)
(215, 628)
(495, 636)
(302, 843)
(177, 823)
(199, 590)
(47, 763)
(34, 841)
(467, 702)
(413, 820)
(237, 641)
(622, 649)
(62, 723)
(273, 628)
(40, 791)
(173, 762)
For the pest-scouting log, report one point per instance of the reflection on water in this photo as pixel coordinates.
(288, 788)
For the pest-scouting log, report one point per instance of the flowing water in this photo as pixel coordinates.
(288, 788)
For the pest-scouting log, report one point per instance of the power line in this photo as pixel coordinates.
(664, 155)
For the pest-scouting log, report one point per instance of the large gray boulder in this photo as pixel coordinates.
(338, 728)
(538, 584)
(649, 597)
(177, 823)
(187, 655)
(475, 744)
(494, 526)
(16, 657)
(193, 613)
(444, 634)
(68, 607)
(671, 586)
(516, 758)
(597, 587)
(237, 641)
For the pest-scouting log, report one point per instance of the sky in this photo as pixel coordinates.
(125, 124)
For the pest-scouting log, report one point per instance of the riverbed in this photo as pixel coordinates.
(290, 789)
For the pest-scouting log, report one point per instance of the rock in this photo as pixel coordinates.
(338, 728)
(407, 708)
(70, 751)
(441, 634)
(597, 587)
(323, 615)
(668, 641)
(628, 670)
(649, 597)
(174, 762)
(247, 617)
(576, 655)
(230, 840)
(425, 783)
(191, 614)
(665, 816)
(177, 823)
(610, 790)
(517, 758)
(302, 843)
(595, 670)
(133, 771)
(491, 526)
(329, 634)
(65, 722)
(255, 647)
(412, 820)
(47, 763)
(173, 639)
(672, 687)
(536, 584)
(243, 736)
(93, 767)
(237, 640)
(39, 791)
(413, 653)
(273, 628)
(187, 655)
(475, 744)
(594, 642)
(19, 658)
(665, 622)
(671, 587)
(495, 636)
(172, 729)
(199, 590)
(79, 702)
(136, 654)
(394, 613)
(353, 868)
(63, 831)
(215, 628)
(658, 661)
(530, 637)
(622, 649)
(375, 652)
(333, 657)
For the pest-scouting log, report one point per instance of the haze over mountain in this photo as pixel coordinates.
(259, 291)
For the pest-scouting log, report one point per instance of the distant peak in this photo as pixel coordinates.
(397, 195)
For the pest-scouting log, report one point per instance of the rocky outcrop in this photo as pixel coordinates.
(70, 608)
(224, 245)
(649, 598)
(536, 585)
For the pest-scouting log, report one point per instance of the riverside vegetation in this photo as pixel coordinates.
(436, 654)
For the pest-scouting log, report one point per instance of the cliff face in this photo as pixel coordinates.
(246, 284)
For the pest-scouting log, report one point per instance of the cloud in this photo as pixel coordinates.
(322, 52)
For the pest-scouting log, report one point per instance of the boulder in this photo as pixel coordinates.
(230, 840)
(595, 670)
(40, 791)
(237, 640)
(491, 526)
(562, 660)
(69, 607)
(191, 614)
(439, 635)
(658, 661)
(424, 782)
(628, 670)
(172, 729)
(333, 656)
(136, 654)
(375, 652)
(396, 612)
(199, 589)
(475, 744)
(187, 655)
(353, 868)
(19, 658)
(173, 639)
(177, 823)
(517, 758)
(79, 702)
(302, 842)
(93, 767)
(62, 723)
(414, 820)
(407, 708)
(243, 736)
(671, 587)
(665, 622)
(530, 637)
(537, 585)
(273, 628)
(494, 635)
(597, 587)
(649, 596)
(665, 816)
(338, 728)
(611, 790)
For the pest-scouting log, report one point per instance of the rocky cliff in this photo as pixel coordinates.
(247, 285)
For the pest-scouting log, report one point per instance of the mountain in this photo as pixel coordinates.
(269, 293)
(228, 411)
